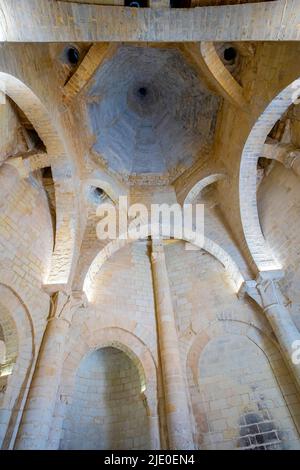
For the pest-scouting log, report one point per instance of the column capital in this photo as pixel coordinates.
(63, 304)
(291, 158)
(265, 290)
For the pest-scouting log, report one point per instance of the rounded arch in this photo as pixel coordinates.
(93, 338)
(96, 338)
(62, 170)
(261, 340)
(18, 381)
(262, 256)
(200, 185)
(202, 242)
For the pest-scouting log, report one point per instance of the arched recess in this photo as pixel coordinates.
(262, 256)
(204, 243)
(91, 339)
(221, 410)
(14, 315)
(107, 410)
(197, 188)
(63, 174)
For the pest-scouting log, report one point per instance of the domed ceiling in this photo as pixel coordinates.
(149, 112)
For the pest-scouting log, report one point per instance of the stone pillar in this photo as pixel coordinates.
(37, 418)
(180, 434)
(267, 294)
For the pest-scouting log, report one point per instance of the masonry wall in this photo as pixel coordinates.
(242, 404)
(26, 241)
(123, 293)
(121, 312)
(107, 410)
(229, 365)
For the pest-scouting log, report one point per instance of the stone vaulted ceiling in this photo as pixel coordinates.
(149, 112)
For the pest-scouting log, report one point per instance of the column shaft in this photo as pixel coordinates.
(176, 402)
(267, 294)
(280, 319)
(39, 410)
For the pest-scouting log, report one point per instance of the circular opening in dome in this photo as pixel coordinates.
(142, 91)
(73, 55)
(134, 4)
(98, 192)
(97, 195)
(230, 54)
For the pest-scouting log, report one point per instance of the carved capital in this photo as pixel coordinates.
(269, 293)
(291, 158)
(265, 291)
(63, 305)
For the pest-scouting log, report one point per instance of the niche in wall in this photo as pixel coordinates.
(241, 404)
(107, 409)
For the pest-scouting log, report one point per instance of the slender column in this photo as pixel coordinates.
(36, 422)
(266, 292)
(176, 402)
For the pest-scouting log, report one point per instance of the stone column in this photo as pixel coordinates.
(180, 434)
(37, 418)
(267, 294)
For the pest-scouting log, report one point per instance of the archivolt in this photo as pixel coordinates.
(121, 339)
